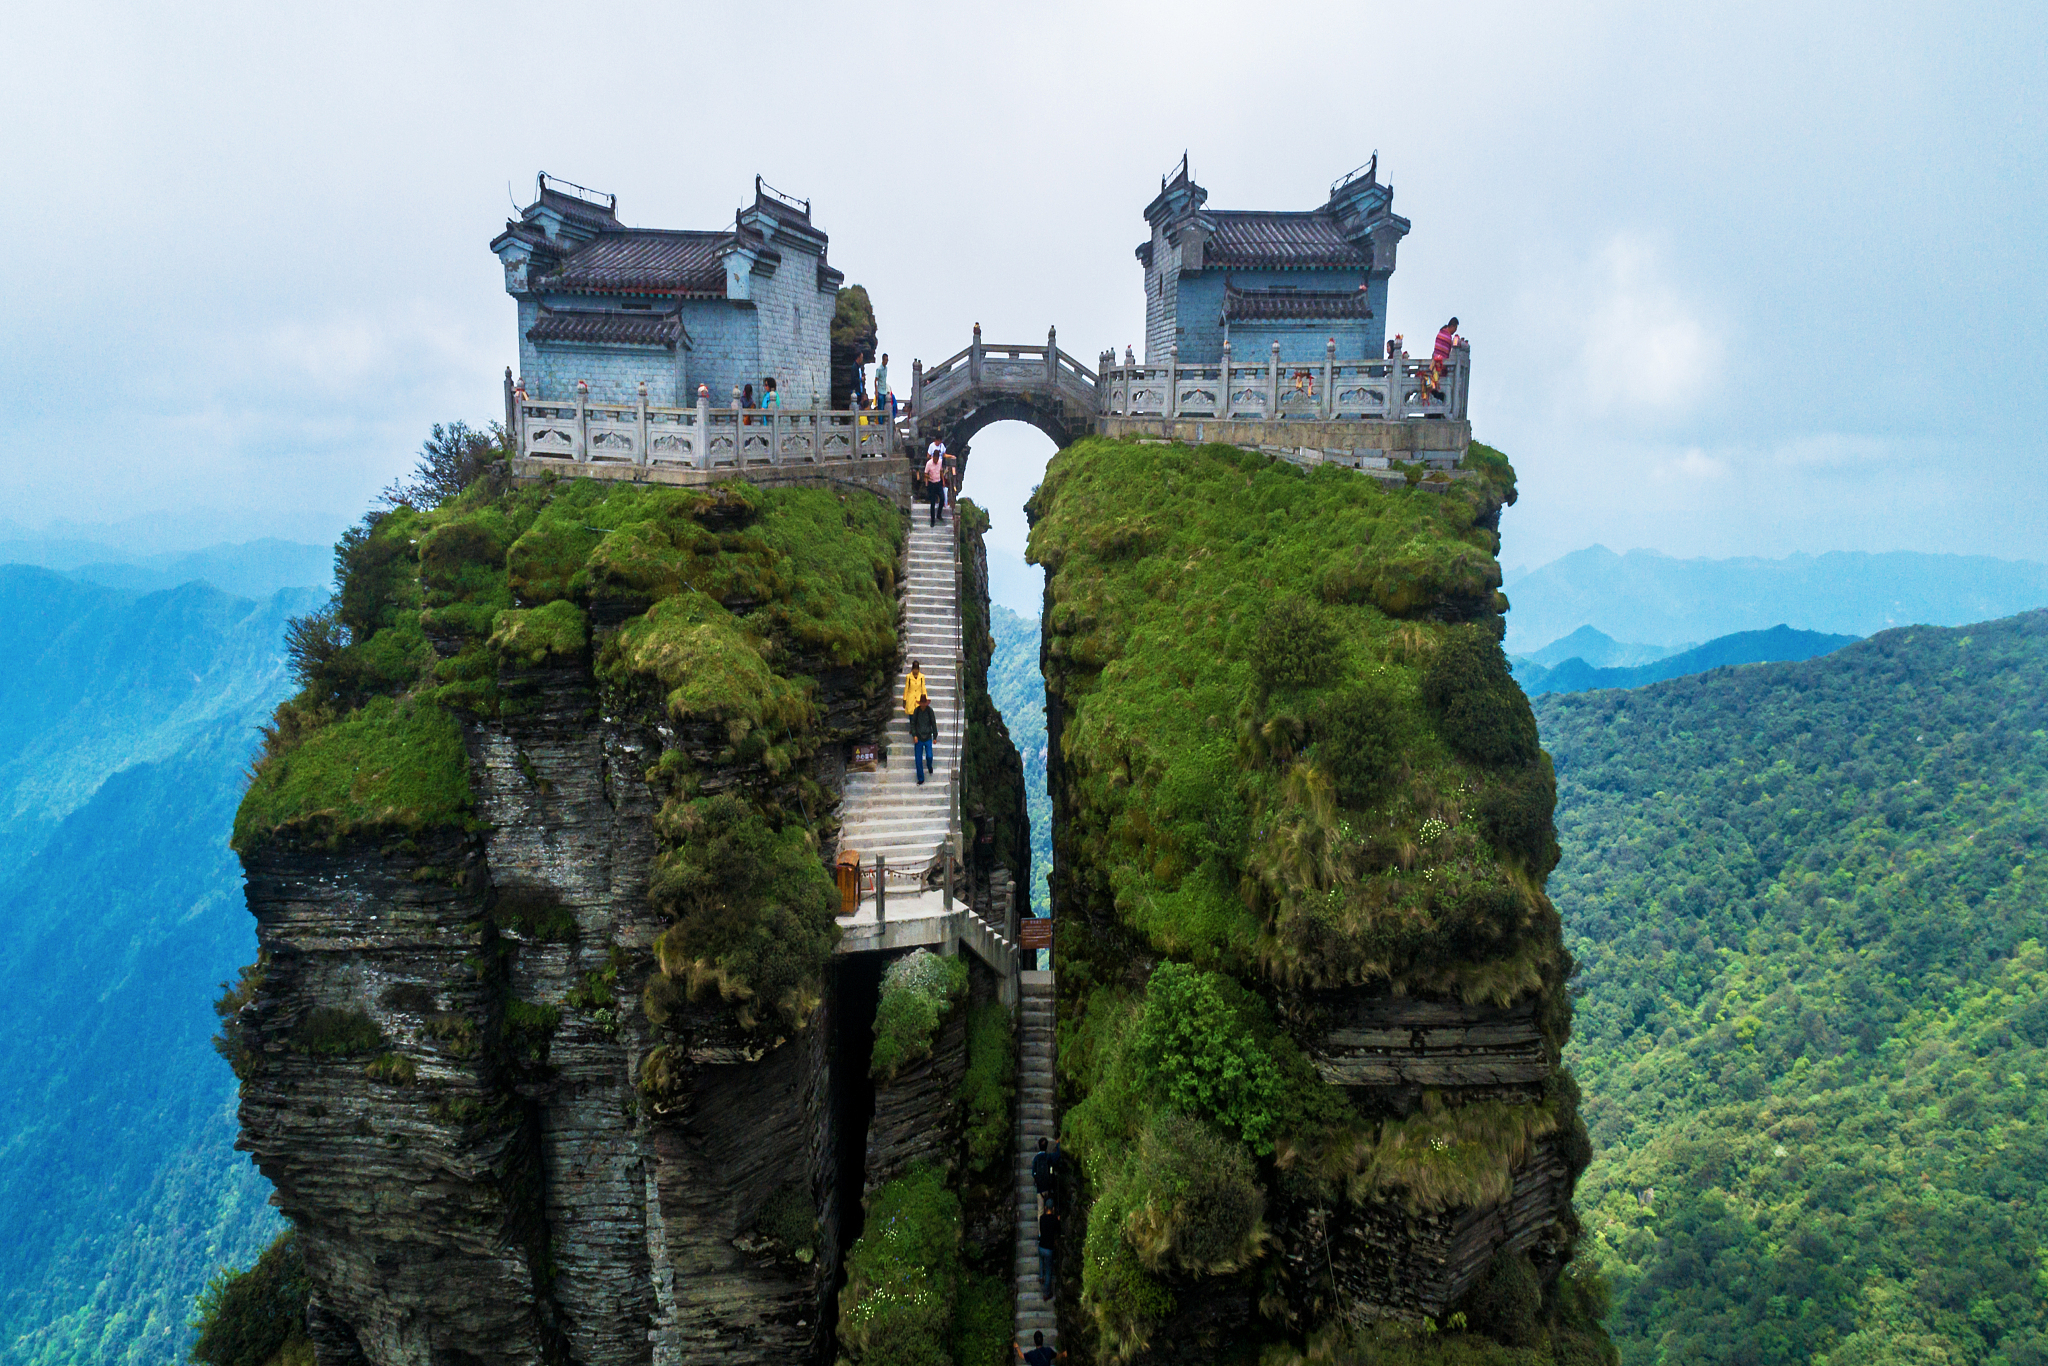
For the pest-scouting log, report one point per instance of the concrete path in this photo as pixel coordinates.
(1035, 1120)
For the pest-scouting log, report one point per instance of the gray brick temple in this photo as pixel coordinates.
(1254, 277)
(616, 307)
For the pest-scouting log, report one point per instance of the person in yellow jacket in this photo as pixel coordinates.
(914, 690)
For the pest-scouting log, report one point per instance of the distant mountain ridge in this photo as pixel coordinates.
(1781, 644)
(246, 569)
(1595, 647)
(1651, 597)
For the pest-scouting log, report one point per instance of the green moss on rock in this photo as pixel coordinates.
(556, 631)
(392, 765)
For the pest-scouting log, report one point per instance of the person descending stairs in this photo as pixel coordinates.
(887, 812)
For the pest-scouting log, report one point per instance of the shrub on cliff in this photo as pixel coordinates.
(1479, 708)
(989, 1086)
(711, 668)
(903, 1274)
(753, 909)
(918, 992)
(257, 1317)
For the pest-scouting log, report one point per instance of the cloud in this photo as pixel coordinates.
(1645, 347)
(1691, 465)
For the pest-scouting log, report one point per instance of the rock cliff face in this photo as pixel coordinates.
(1302, 828)
(492, 1150)
(540, 1049)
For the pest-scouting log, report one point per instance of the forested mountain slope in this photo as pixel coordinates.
(125, 725)
(1018, 690)
(1812, 1022)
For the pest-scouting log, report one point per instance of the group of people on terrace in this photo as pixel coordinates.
(884, 396)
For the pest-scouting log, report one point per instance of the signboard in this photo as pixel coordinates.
(866, 756)
(1035, 932)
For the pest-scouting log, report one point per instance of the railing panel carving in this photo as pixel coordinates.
(703, 437)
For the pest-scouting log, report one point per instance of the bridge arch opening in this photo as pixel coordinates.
(1006, 460)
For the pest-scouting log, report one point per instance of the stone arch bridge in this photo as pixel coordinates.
(1041, 385)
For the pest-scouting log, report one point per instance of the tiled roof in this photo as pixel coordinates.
(1270, 305)
(1278, 240)
(645, 261)
(612, 328)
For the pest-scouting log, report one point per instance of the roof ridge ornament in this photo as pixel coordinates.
(1369, 173)
(763, 190)
(595, 198)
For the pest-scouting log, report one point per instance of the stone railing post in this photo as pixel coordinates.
(974, 358)
(511, 414)
(1273, 387)
(916, 389)
(640, 437)
(1103, 386)
(1223, 399)
(881, 889)
(1052, 359)
(583, 419)
(517, 434)
(1329, 407)
(775, 435)
(1172, 406)
(701, 447)
(1461, 379)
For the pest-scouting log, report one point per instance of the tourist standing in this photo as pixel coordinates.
(769, 398)
(915, 689)
(860, 379)
(747, 402)
(924, 729)
(882, 394)
(935, 483)
(1446, 338)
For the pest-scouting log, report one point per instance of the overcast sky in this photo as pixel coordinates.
(1739, 279)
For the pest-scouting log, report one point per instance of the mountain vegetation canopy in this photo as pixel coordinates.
(1808, 903)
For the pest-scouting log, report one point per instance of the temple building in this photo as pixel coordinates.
(1255, 277)
(616, 307)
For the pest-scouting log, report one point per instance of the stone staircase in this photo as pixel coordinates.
(886, 813)
(1035, 1120)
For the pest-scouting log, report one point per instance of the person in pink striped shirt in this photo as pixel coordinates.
(1440, 358)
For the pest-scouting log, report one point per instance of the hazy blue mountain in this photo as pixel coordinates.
(249, 569)
(1018, 690)
(126, 721)
(1780, 644)
(1598, 649)
(254, 569)
(95, 679)
(1651, 597)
